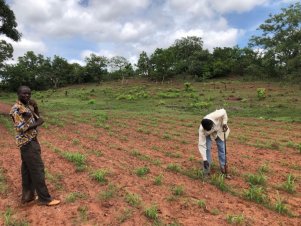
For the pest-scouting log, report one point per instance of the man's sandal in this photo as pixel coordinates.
(53, 202)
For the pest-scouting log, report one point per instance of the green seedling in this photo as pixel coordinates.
(158, 179)
(100, 176)
(133, 199)
(256, 194)
(151, 212)
(108, 193)
(236, 219)
(289, 186)
(140, 172)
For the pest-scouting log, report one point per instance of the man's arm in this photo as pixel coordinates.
(33, 106)
(37, 123)
(202, 144)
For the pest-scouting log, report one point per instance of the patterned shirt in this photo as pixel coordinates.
(22, 118)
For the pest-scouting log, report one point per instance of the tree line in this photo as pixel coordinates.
(275, 53)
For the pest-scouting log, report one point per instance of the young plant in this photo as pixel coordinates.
(10, 221)
(236, 219)
(73, 196)
(219, 181)
(261, 93)
(83, 212)
(264, 168)
(201, 203)
(140, 172)
(125, 215)
(158, 179)
(108, 193)
(133, 199)
(55, 179)
(289, 186)
(256, 179)
(151, 212)
(280, 206)
(173, 167)
(256, 194)
(100, 176)
(78, 159)
(178, 190)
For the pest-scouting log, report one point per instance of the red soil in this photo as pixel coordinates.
(113, 150)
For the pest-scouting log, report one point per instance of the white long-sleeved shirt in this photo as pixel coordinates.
(219, 118)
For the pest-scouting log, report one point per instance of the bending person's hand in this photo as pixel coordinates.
(225, 127)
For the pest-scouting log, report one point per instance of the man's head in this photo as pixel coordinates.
(24, 94)
(207, 124)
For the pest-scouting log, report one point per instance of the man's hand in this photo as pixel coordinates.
(37, 123)
(225, 127)
(206, 165)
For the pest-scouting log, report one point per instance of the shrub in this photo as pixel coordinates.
(261, 93)
(188, 87)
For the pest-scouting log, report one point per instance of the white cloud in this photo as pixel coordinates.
(80, 62)
(21, 47)
(236, 5)
(125, 27)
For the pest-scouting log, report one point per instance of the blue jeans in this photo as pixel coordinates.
(220, 148)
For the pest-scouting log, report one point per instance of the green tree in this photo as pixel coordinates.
(96, 67)
(162, 63)
(8, 26)
(30, 70)
(60, 72)
(6, 52)
(120, 67)
(8, 22)
(77, 72)
(143, 64)
(281, 42)
(187, 53)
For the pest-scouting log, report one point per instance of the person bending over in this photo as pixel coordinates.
(213, 127)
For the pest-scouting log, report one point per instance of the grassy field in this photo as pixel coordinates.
(127, 154)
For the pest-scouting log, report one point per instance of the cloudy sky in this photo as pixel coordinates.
(75, 28)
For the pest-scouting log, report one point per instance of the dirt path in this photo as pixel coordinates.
(4, 108)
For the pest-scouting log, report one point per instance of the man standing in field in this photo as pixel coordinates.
(214, 127)
(25, 116)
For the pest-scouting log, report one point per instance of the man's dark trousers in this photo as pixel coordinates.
(33, 173)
